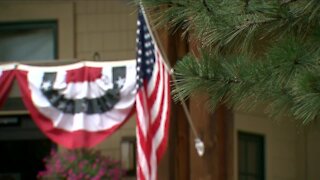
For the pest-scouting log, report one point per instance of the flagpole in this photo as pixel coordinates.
(199, 145)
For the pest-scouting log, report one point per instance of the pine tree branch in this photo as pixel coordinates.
(278, 79)
(229, 27)
(252, 52)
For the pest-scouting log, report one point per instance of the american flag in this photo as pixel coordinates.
(152, 103)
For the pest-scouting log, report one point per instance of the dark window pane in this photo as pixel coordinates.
(27, 41)
(242, 156)
(243, 177)
(250, 156)
(252, 178)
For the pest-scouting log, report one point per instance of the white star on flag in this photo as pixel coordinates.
(46, 85)
(120, 82)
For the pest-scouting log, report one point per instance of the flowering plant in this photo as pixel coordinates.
(80, 164)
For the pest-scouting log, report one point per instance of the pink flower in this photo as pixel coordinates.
(81, 164)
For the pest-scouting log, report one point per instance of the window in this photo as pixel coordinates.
(28, 41)
(128, 155)
(250, 156)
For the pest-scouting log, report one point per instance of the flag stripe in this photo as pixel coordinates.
(165, 123)
(143, 173)
(142, 114)
(156, 103)
(158, 127)
(156, 119)
(83, 74)
(162, 132)
(152, 91)
(143, 143)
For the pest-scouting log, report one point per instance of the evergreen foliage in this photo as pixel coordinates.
(252, 52)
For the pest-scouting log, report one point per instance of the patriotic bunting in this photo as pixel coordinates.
(152, 103)
(6, 79)
(79, 105)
